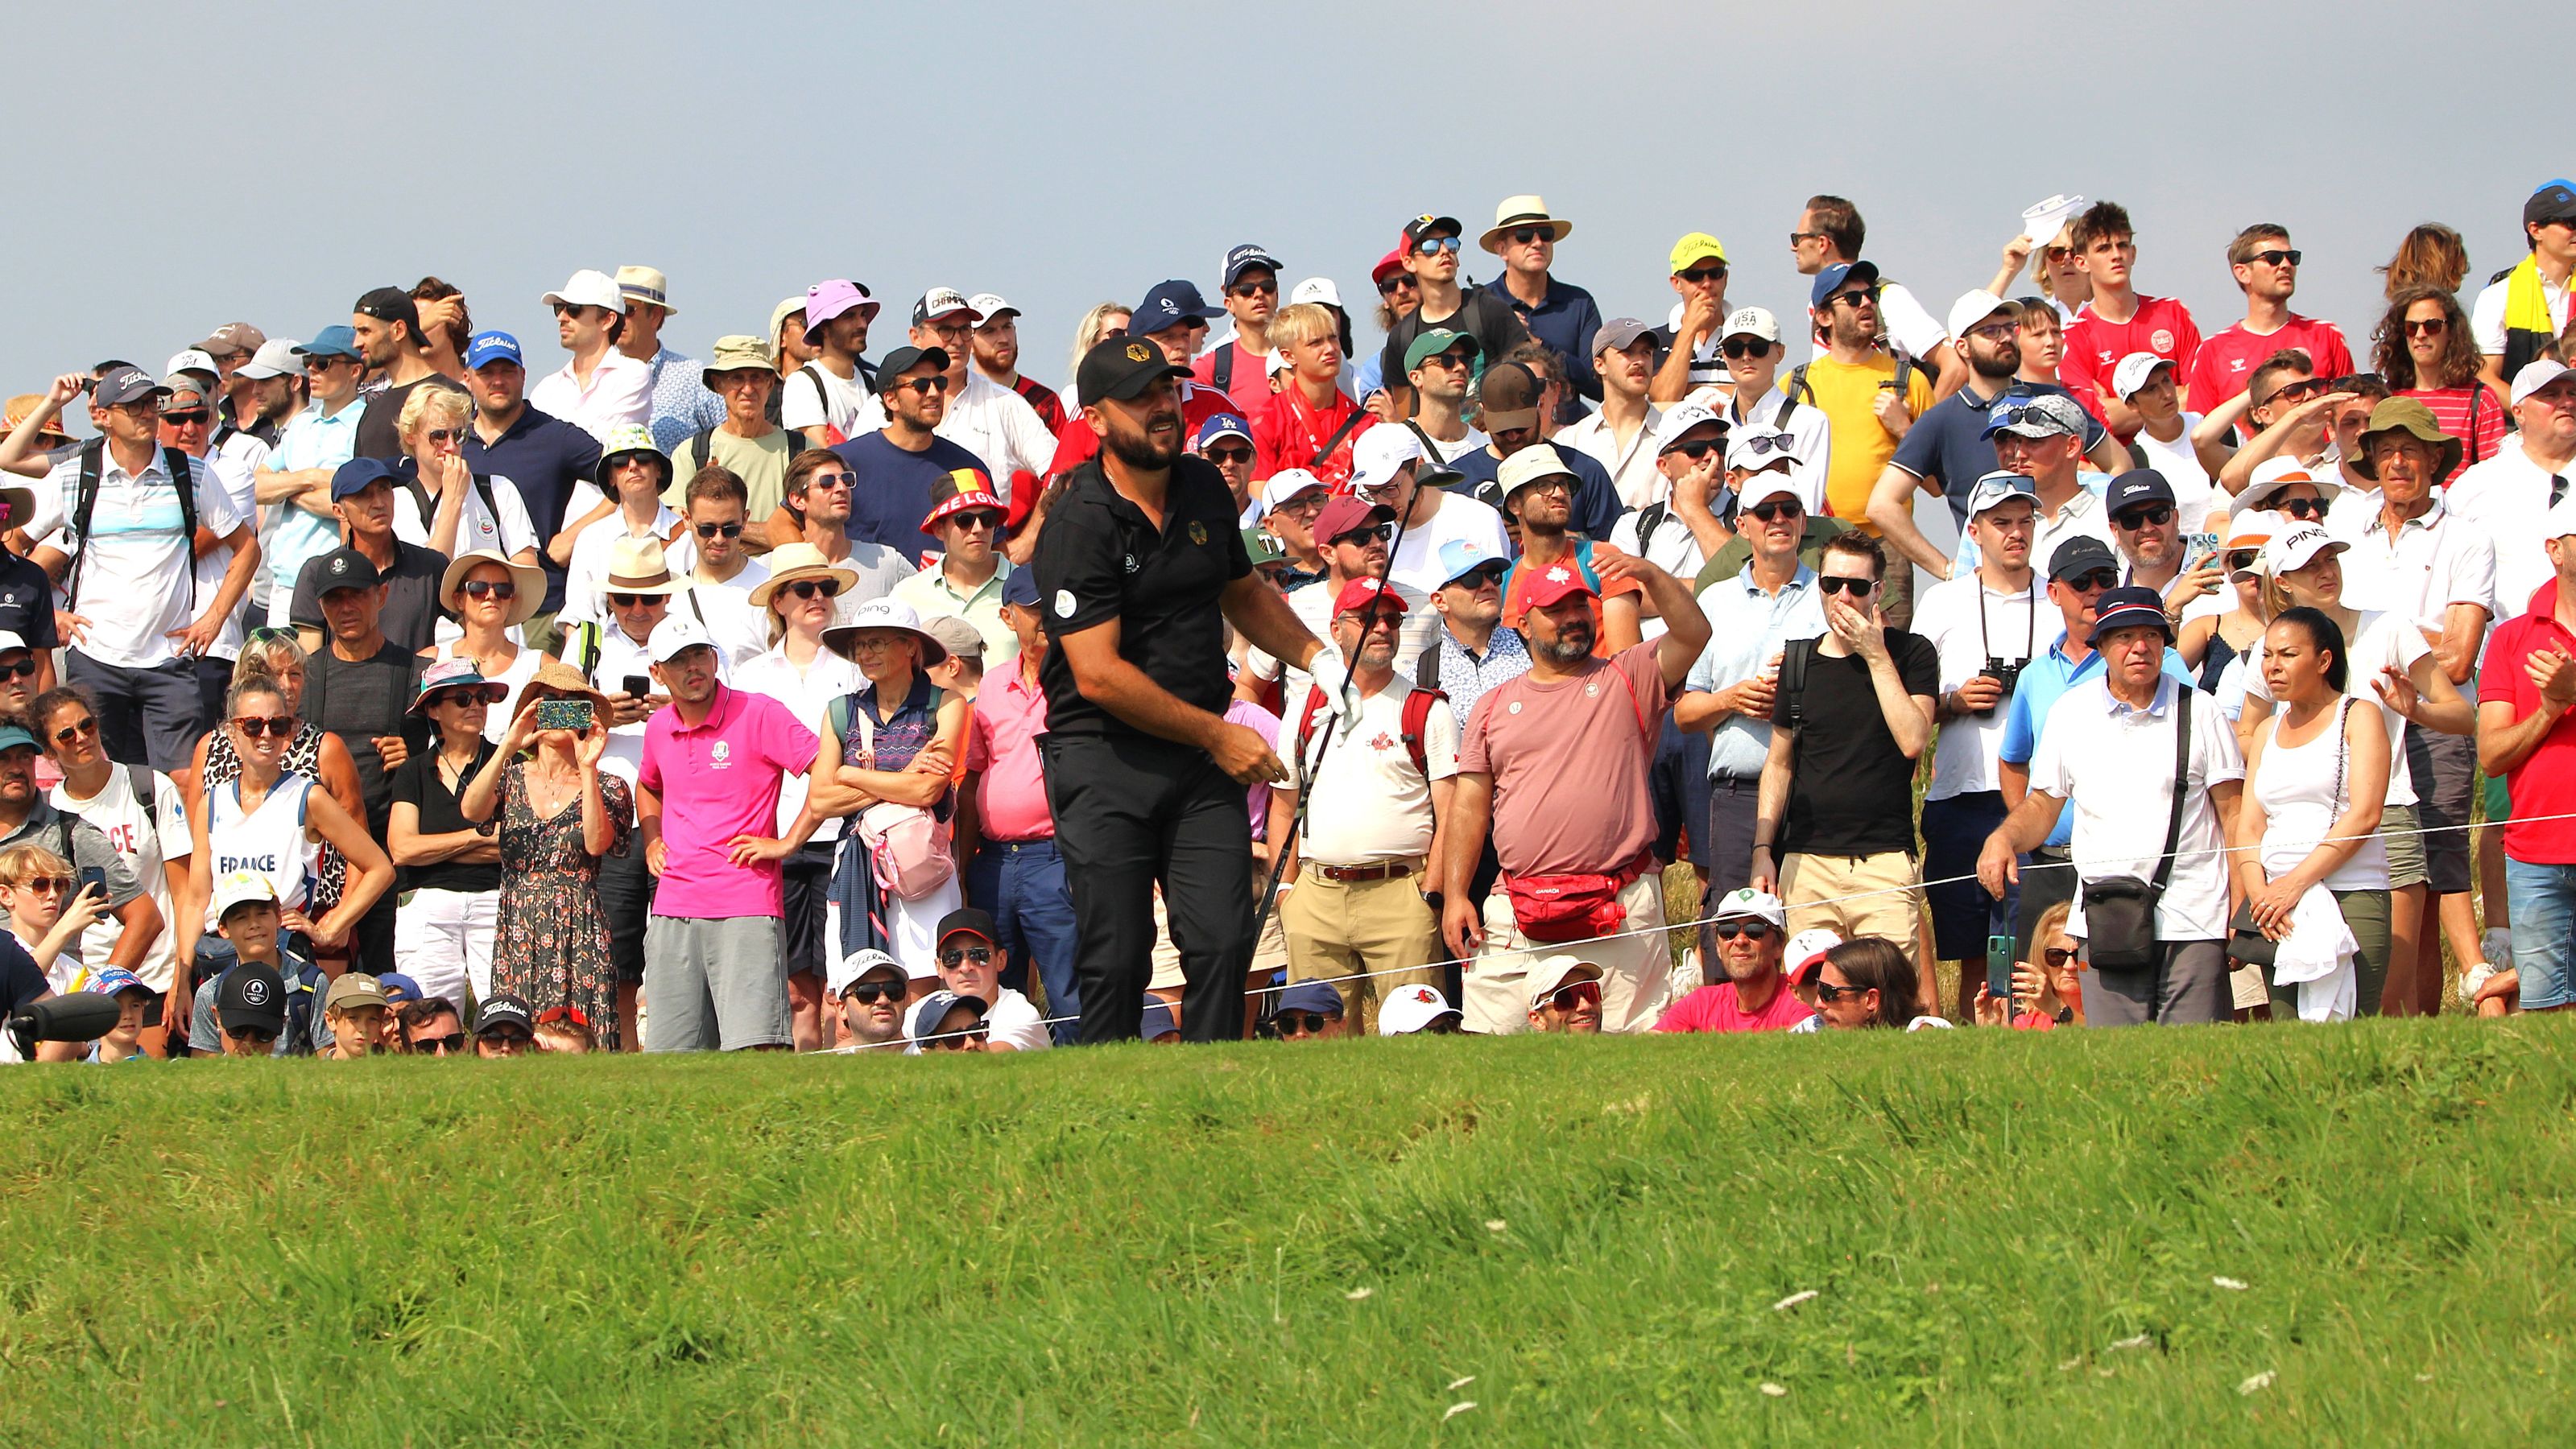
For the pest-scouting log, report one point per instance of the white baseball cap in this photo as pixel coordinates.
(1319, 290)
(677, 632)
(1766, 485)
(1997, 487)
(192, 360)
(1745, 901)
(991, 305)
(2560, 521)
(275, 358)
(9, 640)
(2536, 374)
(2134, 372)
(1279, 362)
(1675, 423)
(2300, 547)
(589, 287)
(1554, 973)
(235, 887)
(850, 969)
(1973, 308)
(2045, 219)
(1379, 452)
(1287, 483)
(1411, 1009)
(1750, 322)
(1805, 949)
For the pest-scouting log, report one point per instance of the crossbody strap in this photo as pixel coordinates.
(2182, 779)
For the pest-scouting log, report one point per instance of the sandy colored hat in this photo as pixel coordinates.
(530, 582)
(637, 566)
(644, 284)
(737, 353)
(555, 679)
(800, 560)
(1520, 211)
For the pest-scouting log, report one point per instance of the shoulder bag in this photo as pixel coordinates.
(2120, 910)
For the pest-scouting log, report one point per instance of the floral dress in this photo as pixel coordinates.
(552, 946)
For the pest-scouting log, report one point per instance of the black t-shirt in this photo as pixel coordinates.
(411, 612)
(1851, 790)
(22, 982)
(359, 701)
(26, 601)
(1481, 314)
(380, 426)
(1099, 559)
(420, 785)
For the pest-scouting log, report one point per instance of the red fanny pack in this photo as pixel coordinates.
(1568, 907)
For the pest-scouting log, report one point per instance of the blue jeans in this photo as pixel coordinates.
(2543, 898)
(1021, 883)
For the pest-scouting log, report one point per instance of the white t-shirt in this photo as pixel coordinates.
(135, 583)
(2378, 640)
(2115, 764)
(2507, 497)
(809, 695)
(2014, 627)
(476, 525)
(1369, 803)
(1313, 605)
(141, 839)
(241, 488)
(2195, 494)
(2486, 315)
(1416, 566)
(838, 405)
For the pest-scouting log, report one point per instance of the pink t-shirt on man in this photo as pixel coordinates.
(717, 781)
(1569, 761)
(1714, 1008)
(1002, 743)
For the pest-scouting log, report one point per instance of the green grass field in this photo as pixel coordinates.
(2009, 1239)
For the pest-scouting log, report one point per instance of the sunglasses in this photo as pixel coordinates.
(2305, 387)
(1696, 448)
(1433, 244)
(1459, 361)
(85, 729)
(814, 588)
(1703, 275)
(980, 955)
(1228, 455)
(869, 993)
(1837, 584)
(1753, 347)
(447, 435)
(325, 364)
(1997, 331)
(2243, 558)
(253, 726)
(925, 386)
(983, 518)
(1253, 289)
(831, 480)
(1827, 991)
(255, 1035)
(510, 1035)
(2276, 258)
(1395, 284)
(1855, 299)
(439, 1046)
(461, 694)
(1360, 537)
(2056, 956)
(956, 1041)
(1750, 930)
(23, 669)
(1528, 234)
(1301, 1023)
(193, 418)
(2097, 579)
(501, 589)
(1775, 509)
(2303, 507)
(1480, 576)
(1797, 238)
(634, 601)
(1581, 993)
(2427, 327)
(727, 530)
(1763, 444)
(46, 885)
(2156, 514)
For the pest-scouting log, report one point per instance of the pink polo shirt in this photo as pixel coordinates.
(1002, 742)
(717, 781)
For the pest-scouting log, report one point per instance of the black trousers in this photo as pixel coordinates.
(1130, 812)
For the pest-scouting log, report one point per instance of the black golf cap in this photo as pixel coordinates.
(1121, 368)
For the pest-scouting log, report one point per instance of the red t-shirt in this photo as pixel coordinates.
(1076, 444)
(1288, 431)
(2452, 412)
(1713, 1008)
(2220, 369)
(1042, 399)
(2545, 782)
(1249, 385)
(2094, 347)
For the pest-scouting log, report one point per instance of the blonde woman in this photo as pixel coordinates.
(439, 502)
(1109, 319)
(48, 909)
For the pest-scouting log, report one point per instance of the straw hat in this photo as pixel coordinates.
(556, 679)
(529, 580)
(636, 566)
(792, 561)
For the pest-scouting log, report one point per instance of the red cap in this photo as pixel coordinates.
(1346, 512)
(963, 489)
(1388, 265)
(1361, 594)
(1554, 584)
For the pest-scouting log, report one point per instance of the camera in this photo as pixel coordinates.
(2005, 673)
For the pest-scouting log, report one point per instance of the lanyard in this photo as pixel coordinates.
(2028, 644)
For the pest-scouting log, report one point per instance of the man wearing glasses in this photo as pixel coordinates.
(600, 387)
(988, 420)
(1565, 997)
(896, 468)
(1238, 363)
(970, 966)
(719, 570)
(1441, 365)
(1431, 259)
(2266, 267)
(746, 443)
(1743, 941)
(1830, 234)
(1870, 403)
(295, 484)
(188, 424)
(1560, 314)
(2146, 530)
(1687, 359)
(966, 517)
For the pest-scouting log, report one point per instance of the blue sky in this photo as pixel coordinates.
(199, 165)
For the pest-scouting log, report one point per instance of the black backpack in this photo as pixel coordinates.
(1799, 390)
(420, 499)
(93, 455)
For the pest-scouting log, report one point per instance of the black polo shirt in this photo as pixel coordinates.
(545, 456)
(1099, 559)
(27, 601)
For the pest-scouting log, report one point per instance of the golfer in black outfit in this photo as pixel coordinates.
(1136, 559)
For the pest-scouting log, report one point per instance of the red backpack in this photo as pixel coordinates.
(1417, 712)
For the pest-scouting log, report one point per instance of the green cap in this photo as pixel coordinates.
(1263, 548)
(1437, 340)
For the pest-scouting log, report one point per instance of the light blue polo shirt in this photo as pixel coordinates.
(310, 441)
(1745, 628)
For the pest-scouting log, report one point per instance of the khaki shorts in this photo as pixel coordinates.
(1636, 971)
(1889, 903)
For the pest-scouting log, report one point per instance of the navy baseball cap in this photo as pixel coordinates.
(503, 1008)
(486, 347)
(2135, 487)
(1831, 279)
(1311, 996)
(893, 365)
(1170, 304)
(358, 475)
(331, 342)
(1020, 587)
(2129, 608)
(2554, 201)
(1217, 426)
(1249, 254)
